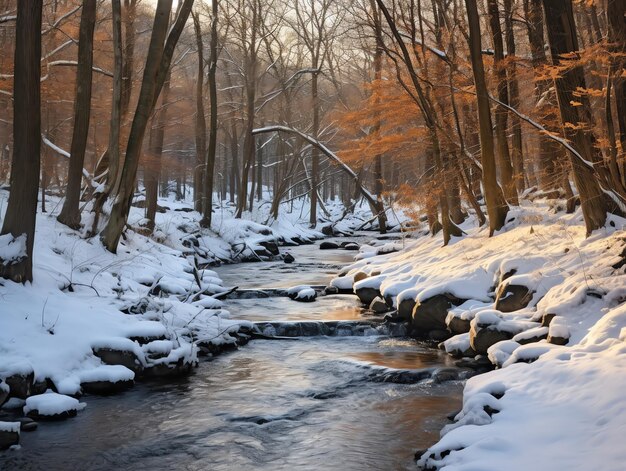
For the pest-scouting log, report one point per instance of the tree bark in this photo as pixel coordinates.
(21, 210)
(497, 208)
(212, 148)
(70, 214)
(199, 170)
(158, 62)
(561, 29)
(501, 114)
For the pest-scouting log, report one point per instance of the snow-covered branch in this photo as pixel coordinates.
(66, 154)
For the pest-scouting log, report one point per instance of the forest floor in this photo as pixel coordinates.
(547, 406)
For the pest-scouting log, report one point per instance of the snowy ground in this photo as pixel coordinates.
(567, 409)
(84, 298)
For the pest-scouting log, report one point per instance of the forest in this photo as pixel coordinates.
(439, 185)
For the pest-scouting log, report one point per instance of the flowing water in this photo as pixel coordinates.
(305, 404)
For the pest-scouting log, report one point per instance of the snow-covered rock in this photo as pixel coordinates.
(52, 406)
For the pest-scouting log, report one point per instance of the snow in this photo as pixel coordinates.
(547, 406)
(12, 427)
(83, 297)
(12, 249)
(51, 403)
(307, 293)
(110, 373)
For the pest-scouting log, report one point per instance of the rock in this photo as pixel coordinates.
(306, 295)
(4, 392)
(270, 246)
(40, 387)
(327, 245)
(168, 370)
(358, 276)
(456, 325)
(438, 335)
(531, 335)
(27, 424)
(331, 290)
(351, 246)
(125, 358)
(546, 319)
(483, 338)
(9, 434)
(405, 309)
(379, 306)
(511, 297)
(367, 295)
(328, 230)
(21, 384)
(52, 406)
(288, 258)
(557, 340)
(431, 313)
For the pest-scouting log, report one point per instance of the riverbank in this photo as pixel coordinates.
(541, 302)
(96, 322)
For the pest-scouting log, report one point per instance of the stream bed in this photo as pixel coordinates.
(305, 404)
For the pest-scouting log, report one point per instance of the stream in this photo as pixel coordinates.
(305, 404)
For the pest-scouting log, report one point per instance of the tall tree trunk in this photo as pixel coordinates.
(496, 205)
(130, 7)
(212, 148)
(21, 212)
(315, 156)
(70, 214)
(157, 66)
(561, 29)
(617, 44)
(199, 170)
(501, 113)
(517, 155)
(152, 171)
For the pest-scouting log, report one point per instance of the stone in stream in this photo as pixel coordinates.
(405, 309)
(306, 295)
(379, 306)
(112, 356)
(52, 406)
(9, 434)
(21, 384)
(351, 246)
(430, 314)
(288, 258)
(27, 424)
(367, 295)
(4, 392)
(327, 245)
(457, 326)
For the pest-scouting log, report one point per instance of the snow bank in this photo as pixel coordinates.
(549, 406)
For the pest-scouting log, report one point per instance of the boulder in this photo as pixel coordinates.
(331, 290)
(9, 434)
(483, 338)
(105, 388)
(546, 319)
(288, 258)
(379, 306)
(270, 246)
(367, 295)
(52, 406)
(27, 424)
(457, 326)
(327, 245)
(555, 340)
(405, 309)
(4, 392)
(358, 276)
(111, 356)
(512, 297)
(430, 314)
(168, 370)
(306, 295)
(351, 246)
(21, 384)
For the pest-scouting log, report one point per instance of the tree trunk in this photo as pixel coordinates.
(212, 149)
(496, 205)
(198, 172)
(152, 171)
(561, 28)
(315, 157)
(157, 66)
(21, 212)
(617, 44)
(70, 214)
(517, 155)
(501, 113)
